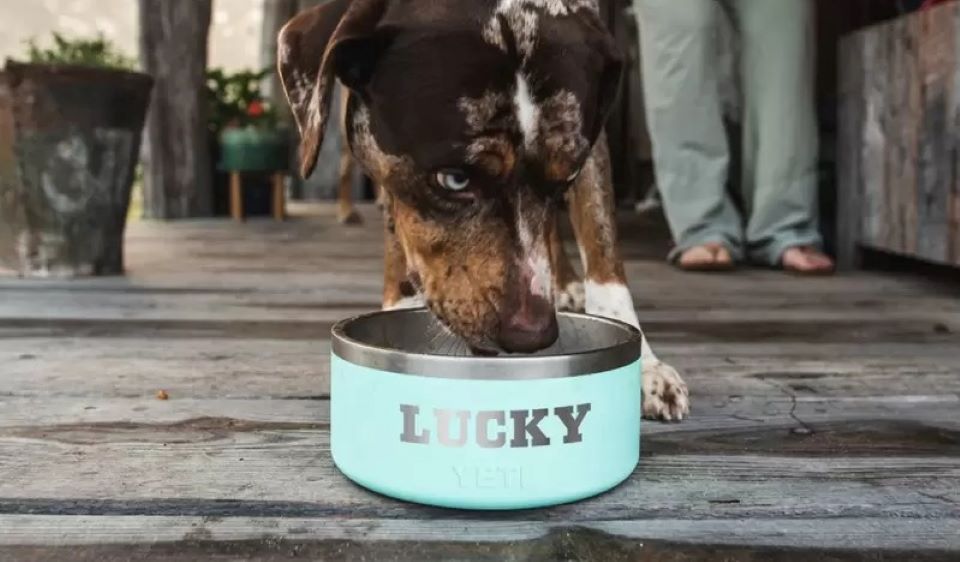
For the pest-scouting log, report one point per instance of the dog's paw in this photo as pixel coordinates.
(665, 395)
(351, 217)
(572, 298)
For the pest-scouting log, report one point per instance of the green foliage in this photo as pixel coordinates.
(98, 53)
(236, 100)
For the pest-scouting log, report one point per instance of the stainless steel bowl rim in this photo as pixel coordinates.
(510, 367)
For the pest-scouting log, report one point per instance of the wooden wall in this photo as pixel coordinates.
(899, 149)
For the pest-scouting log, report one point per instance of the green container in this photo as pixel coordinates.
(254, 150)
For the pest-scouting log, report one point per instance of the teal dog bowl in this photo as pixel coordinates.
(415, 417)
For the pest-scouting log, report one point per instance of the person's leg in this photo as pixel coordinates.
(690, 150)
(780, 141)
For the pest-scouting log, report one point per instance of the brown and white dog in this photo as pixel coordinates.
(477, 118)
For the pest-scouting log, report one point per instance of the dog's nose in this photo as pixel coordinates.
(528, 327)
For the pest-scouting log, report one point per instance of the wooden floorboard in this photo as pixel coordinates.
(826, 414)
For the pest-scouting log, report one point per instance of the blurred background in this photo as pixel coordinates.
(214, 77)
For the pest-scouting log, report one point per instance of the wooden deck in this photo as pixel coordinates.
(826, 414)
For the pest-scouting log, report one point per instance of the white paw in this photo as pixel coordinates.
(665, 395)
(415, 301)
(572, 298)
(611, 300)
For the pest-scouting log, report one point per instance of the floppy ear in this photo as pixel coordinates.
(611, 81)
(311, 56)
(611, 78)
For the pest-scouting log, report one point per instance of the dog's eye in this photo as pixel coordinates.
(573, 177)
(454, 180)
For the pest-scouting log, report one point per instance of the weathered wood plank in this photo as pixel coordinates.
(741, 458)
(219, 473)
(381, 539)
(824, 413)
(201, 367)
(936, 330)
(715, 415)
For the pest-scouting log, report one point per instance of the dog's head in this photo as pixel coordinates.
(475, 116)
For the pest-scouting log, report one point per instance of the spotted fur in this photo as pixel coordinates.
(523, 119)
(523, 19)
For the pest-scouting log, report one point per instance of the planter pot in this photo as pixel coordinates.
(69, 146)
(254, 150)
(257, 201)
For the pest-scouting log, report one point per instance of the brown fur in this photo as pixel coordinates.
(493, 252)
(592, 212)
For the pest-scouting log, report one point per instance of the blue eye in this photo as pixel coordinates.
(454, 180)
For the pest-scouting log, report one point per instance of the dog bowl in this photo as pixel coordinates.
(416, 417)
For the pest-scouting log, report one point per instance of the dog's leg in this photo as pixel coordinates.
(398, 291)
(381, 199)
(346, 213)
(567, 284)
(592, 211)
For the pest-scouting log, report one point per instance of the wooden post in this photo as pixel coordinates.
(849, 147)
(279, 197)
(276, 13)
(173, 49)
(236, 196)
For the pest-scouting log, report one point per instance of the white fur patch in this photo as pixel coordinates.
(415, 301)
(528, 112)
(572, 298)
(611, 300)
(536, 258)
(665, 395)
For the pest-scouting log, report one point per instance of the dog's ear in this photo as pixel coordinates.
(611, 82)
(317, 47)
(611, 79)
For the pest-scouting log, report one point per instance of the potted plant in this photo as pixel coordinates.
(71, 123)
(248, 136)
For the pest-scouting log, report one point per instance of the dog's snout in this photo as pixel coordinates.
(528, 327)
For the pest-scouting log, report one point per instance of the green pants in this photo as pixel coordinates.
(679, 42)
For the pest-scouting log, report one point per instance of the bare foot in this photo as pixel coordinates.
(706, 257)
(806, 260)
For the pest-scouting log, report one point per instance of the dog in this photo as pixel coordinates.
(478, 119)
(346, 212)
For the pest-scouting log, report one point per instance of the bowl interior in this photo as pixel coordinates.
(419, 332)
